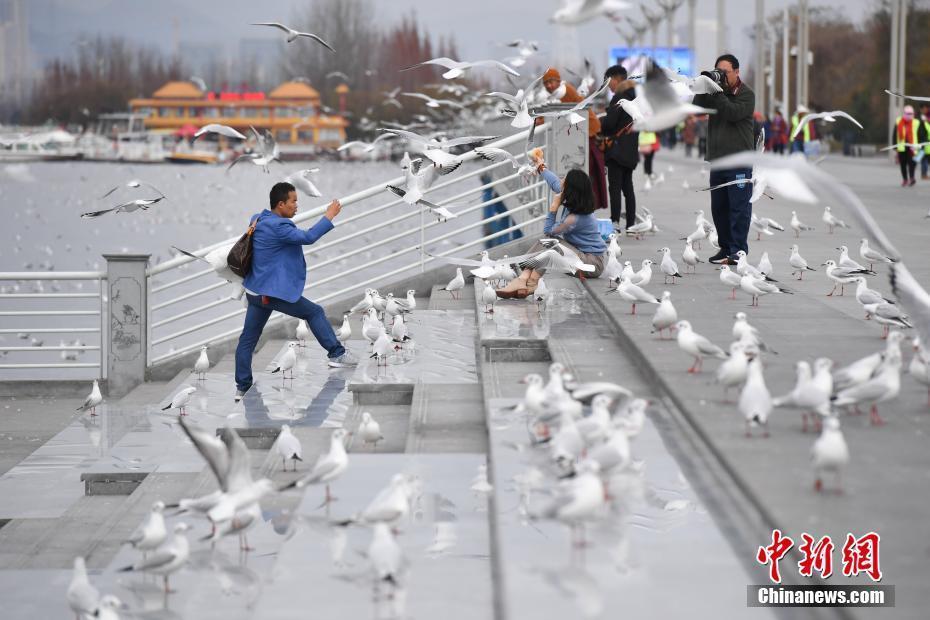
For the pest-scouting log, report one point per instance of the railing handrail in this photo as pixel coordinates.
(346, 200)
(53, 275)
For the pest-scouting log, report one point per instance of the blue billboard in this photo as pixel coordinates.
(682, 58)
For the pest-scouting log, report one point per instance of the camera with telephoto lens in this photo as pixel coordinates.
(718, 76)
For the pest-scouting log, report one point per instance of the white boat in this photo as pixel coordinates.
(123, 137)
(43, 145)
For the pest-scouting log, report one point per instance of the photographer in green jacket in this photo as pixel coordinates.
(729, 131)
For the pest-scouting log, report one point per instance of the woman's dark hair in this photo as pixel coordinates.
(577, 192)
(279, 193)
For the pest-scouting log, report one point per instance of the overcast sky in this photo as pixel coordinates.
(479, 26)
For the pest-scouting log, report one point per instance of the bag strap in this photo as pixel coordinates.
(252, 225)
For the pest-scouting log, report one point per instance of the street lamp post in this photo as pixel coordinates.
(669, 7)
(653, 19)
(721, 27)
(786, 36)
(759, 73)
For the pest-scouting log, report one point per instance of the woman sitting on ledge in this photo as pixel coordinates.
(577, 230)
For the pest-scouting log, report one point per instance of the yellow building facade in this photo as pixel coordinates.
(291, 112)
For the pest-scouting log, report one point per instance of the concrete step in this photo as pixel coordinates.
(94, 527)
(577, 334)
(443, 300)
(445, 541)
(447, 418)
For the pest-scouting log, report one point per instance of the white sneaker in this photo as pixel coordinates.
(346, 360)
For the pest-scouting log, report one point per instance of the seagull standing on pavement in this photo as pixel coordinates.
(93, 399)
(841, 277)
(665, 315)
(697, 346)
(455, 284)
(369, 430)
(829, 453)
(872, 255)
(690, 257)
(797, 225)
(287, 361)
(329, 466)
(832, 221)
(288, 447)
(83, 597)
(179, 401)
(668, 266)
(755, 401)
(731, 279)
(151, 532)
(168, 558)
(202, 365)
(732, 372)
(797, 262)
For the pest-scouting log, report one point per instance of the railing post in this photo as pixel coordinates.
(422, 240)
(125, 322)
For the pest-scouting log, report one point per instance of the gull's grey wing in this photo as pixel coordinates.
(191, 254)
(448, 63)
(156, 559)
(240, 463)
(98, 213)
(211, 448)
(452, 260)
(893, 94)
(316, 38)
(913, 298)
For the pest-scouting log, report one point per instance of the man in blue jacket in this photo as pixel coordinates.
(277, 279)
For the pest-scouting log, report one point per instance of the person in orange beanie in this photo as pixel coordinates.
(566, 93)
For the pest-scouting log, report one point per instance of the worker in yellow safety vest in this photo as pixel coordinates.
(907, 130)
(925, 160)
(648, 145)
(804, 136)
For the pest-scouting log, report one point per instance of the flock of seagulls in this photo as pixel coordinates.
(583, 431)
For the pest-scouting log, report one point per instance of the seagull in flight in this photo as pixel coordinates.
(134, 184)
(458, 68)
(269, 152)
(913, 97)
(126, 207)
(416, 183)
(435, 103)
(301, 180)
(224, 130)
(367, 147)
(657, 105)
(294, 34)
(829, 117)
(575, 12)
(519, 102)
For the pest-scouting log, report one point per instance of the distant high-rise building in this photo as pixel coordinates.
(15, 56)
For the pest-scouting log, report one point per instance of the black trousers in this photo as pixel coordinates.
(908, 165)
(620, 182)
(647, 163)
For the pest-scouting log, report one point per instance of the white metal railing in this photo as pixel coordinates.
(188, 310)
(374, 240)
(61, 314)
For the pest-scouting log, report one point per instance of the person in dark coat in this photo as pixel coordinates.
(622, 153)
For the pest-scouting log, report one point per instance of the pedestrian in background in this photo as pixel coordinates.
(730, 131)
(620, 143)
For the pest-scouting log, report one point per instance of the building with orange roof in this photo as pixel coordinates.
(291, 112)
